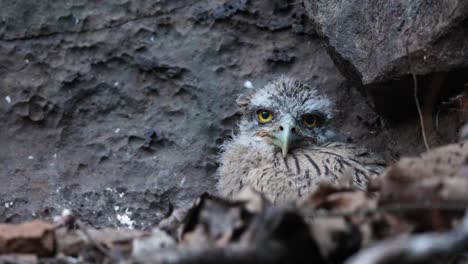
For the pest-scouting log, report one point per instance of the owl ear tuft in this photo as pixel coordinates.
(243, 101)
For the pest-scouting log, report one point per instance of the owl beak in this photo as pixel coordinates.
(285, 147)
(284, 137)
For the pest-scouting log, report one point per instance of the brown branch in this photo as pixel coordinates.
(416, 100)
(388, 208)
(92, 241)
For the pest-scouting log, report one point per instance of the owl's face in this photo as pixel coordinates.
(287, 114)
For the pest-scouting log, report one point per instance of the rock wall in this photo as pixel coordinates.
(374, 40)
(117, 109)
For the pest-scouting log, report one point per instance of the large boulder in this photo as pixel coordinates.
(372, 41)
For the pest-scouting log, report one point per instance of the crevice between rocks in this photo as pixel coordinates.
(394, 99)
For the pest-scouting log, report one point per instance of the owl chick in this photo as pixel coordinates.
(285, 145)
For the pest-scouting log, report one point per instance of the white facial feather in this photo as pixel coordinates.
(287, 97)
(287, 94)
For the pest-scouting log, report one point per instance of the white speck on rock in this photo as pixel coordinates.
(121, 195)
(182, 182)
(125, 220)
(116, 208)
(55, 155)
(66, 212)
(248, 85)
(117, 130)
(30, 157)
(26, 60)
(116, 84)
(8, 99)
(152, 38)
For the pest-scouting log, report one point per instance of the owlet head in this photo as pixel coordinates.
(287, 114)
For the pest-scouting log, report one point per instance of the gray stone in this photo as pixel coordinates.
(371, 41)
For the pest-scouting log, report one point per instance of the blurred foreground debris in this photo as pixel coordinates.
(32, 237)
(221, 231)
(425, 248)
(435, 185)
(413, 213)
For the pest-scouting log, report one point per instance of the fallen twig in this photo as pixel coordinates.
(69, 220)
(388, 208)
(92, 241)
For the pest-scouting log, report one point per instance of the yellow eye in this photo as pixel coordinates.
(311, 120)
(264, 116)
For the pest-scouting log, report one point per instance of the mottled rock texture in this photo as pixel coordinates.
(116, 109)
(372, 40)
